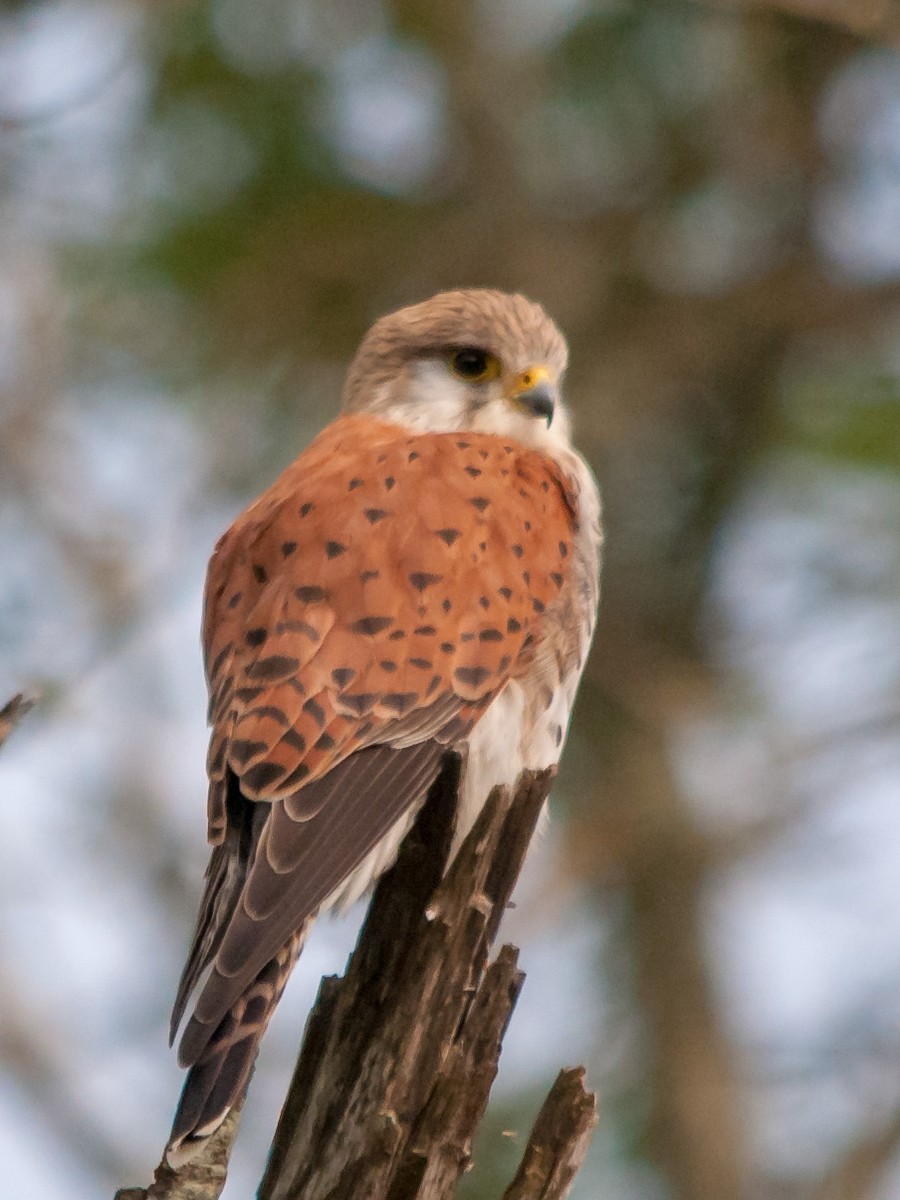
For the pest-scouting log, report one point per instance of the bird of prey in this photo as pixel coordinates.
(422, 581)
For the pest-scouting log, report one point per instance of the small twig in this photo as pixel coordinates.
(12, 713)
(558, 1141)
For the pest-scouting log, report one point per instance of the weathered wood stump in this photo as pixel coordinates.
(399, 1054)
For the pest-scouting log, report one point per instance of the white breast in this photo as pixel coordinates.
(510, 738)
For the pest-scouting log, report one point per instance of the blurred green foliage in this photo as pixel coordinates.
(697, 193)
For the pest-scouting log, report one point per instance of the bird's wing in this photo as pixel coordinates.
(359, 618)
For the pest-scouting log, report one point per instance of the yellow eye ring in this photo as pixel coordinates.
(474, 365)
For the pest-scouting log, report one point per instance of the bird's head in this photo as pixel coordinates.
(470, 359)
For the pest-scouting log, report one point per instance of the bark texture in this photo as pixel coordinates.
(558, 1141)
(202, 1179)
(400, 1053)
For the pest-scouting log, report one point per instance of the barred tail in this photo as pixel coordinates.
(220, 1069)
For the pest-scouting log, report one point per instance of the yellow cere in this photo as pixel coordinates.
(528, 379)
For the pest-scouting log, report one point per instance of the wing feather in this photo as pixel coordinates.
(297, 864)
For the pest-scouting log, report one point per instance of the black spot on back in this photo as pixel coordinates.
(261, 776)
(303, 627)
(276, 666)
(296, 776)
(315, 710)
(295, 740)
(471, 676)
(222, 655)
(241, 750)
(310, 594)
(371, 625)
(423, 579)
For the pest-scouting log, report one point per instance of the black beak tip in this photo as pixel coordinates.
(539, 401)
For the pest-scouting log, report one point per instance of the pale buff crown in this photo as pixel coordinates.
(402, 371)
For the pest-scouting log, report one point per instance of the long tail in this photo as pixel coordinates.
(220, 1069)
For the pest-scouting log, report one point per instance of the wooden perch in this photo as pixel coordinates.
(400, 1053)
(558, 1141)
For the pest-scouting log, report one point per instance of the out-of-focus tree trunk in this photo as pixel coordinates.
(878, 20)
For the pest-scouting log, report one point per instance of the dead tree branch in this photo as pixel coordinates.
(400, 1053)
(558, 1141)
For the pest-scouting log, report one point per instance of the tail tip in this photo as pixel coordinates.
(187, 1146)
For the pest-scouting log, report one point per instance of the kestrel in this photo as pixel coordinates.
(421, 581)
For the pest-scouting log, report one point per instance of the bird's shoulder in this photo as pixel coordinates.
(365, 487)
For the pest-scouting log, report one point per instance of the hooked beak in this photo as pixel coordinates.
(533, 393)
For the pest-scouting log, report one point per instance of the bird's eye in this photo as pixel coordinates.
(475, 366)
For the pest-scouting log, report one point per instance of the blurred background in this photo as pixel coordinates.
(202, 207)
